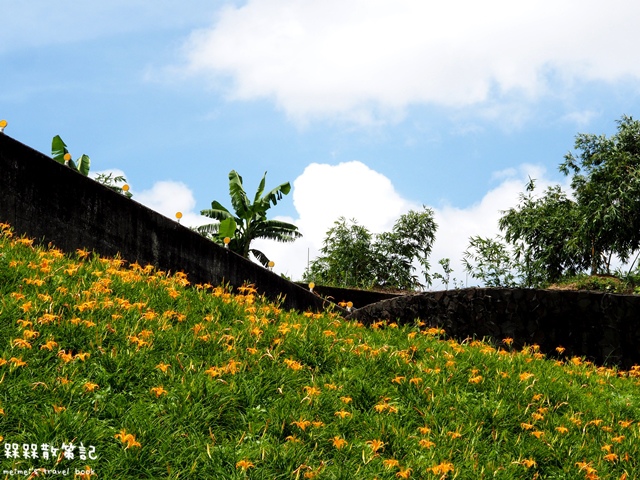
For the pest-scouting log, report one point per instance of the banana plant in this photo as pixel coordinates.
(60, 154)
(249, 219)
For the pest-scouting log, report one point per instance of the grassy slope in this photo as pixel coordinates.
(171, 380)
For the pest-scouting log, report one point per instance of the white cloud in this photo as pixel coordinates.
(580, 118)
(170, 197)
(322, 194)
(366, 60)
(165, 197)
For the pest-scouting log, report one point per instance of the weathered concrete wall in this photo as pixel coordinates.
(359, 298)
(49, 202)
(600, 326)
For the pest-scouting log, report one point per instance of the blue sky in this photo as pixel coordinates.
(369, 108)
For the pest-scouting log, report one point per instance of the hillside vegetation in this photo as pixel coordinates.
(148, 376)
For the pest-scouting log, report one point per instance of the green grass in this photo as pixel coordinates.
(626, 285)
(171, 380)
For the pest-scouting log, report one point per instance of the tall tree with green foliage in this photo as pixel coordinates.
(411, 240)
(347, 258)
(352, 256)
(606, 182)
(542, 231)
(249, 219)
(559, 234)
(490, 261)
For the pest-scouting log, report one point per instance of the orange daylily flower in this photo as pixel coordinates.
(90, 386)
(163, 367)
(21, 343)
(442, 468)
(158, 391)
(244, 464)
(405, 473)
(49, 345)
(391, 463)
(127, 438)
(376, 445)
(338, 442)
(301, 424)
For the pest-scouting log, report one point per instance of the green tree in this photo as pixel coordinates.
(606, 182)
(249, 220)
(542, 231)
(445, 277)
(346, 258)
(490, 261)
(351, 256)
(411, 240)
(560, 234)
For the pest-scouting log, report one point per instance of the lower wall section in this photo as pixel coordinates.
(51, 203)
(359, 298)
(603, 327)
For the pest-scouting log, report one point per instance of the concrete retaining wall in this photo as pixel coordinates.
(51, 203)
(601, 326)
(359, 298)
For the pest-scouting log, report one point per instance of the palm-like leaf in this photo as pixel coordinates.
(84, 164)
(227, 227)
(274, 196)
(261, 257)
(277, 230)
(58, 149)
(260, 189)
(210, 230)
(239, 200)
(217, 211)
(250, 220)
